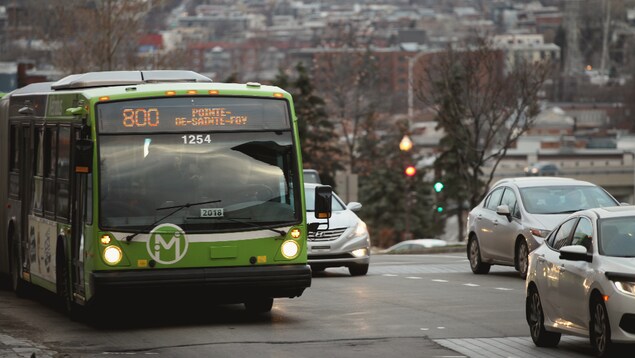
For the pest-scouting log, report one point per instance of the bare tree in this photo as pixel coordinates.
(91, 35)
(347, 76)
(484, 104)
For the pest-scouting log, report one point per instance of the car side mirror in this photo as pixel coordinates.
(504, 211)
(83, 156)
(575, 253)
(323, 198)
(354, 206)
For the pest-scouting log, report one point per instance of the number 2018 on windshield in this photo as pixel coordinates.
(197, 138)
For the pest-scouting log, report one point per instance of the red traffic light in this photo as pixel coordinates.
(410, 170)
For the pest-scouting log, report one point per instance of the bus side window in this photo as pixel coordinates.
(14, 161)
(50, 162)
(63, 174)
(38, 171)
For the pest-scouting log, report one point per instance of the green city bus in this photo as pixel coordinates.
(153, 181)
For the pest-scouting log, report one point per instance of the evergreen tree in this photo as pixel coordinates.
(318, 141)
(394, 204)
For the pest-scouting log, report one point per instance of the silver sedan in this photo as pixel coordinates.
(581, 280)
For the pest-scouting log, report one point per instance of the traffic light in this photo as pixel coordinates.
(438, 186)
(439, 208)
(410, 171)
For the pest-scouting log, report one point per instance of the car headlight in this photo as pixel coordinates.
(361, 229)
(625, 287)
(539, 232)
(360, 252)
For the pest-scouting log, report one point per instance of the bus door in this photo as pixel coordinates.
(26, 167)
(80, 215)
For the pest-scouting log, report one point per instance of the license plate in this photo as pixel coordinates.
(212, 213)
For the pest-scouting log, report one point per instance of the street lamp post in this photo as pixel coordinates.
(405, 145)
(411, 65)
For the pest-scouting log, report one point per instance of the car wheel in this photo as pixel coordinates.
(358, 270)
(536, 321)
(474, 255)
(600, 329)
(316, 269)
(522, 258)
(261, 305)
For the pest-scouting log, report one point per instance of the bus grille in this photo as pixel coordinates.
(326, 235)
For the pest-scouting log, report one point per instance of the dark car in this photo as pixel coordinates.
(542, 169)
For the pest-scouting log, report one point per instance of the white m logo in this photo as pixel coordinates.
(167, 244)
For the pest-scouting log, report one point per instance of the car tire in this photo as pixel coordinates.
(600, 328)
(358, 270)
(317, 269)
(474, 256)
(259, 306)
(536, 320)
(522, 258)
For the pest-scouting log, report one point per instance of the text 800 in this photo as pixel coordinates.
(140, 117)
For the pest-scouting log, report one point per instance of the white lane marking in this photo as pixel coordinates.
(471, 284)
(389, 275)
(424, 329)
(504, 289)
(437, 280)
(414, 277)
(440, 327)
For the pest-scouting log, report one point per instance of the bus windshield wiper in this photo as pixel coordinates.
(177, 209)
(247, 223)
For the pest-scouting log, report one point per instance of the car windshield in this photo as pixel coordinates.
(564, 199)
(617, 237)
(236, 179)
(336, 203)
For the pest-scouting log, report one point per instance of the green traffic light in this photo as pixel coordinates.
(438, 186)
(439, 209)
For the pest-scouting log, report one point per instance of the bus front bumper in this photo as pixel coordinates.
(225, 283)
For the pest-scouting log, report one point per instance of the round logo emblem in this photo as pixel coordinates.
(167, 244)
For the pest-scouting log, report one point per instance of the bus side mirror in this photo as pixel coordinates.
(323, 197)
(83, 156)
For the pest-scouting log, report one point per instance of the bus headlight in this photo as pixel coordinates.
(290, 249)
(112, 255)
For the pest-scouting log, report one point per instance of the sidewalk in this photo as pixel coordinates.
(11, 347)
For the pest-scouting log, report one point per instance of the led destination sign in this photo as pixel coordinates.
(192, 114)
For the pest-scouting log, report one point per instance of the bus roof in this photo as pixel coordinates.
(126, 78)
(135, 84)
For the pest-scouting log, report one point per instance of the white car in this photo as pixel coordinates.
(414, 246)
(344, 242)
(518, 213)
(581, 280)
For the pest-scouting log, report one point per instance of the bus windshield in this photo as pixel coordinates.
(249, 176)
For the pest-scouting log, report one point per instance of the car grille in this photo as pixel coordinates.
(326, 235)
(331, 257)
